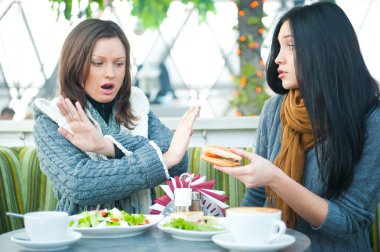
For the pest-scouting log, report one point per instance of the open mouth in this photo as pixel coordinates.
(108, 86)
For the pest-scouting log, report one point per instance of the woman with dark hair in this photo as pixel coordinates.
(98, 142)
(318, 146)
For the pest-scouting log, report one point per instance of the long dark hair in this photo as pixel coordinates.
(337, 88)
(75, 63)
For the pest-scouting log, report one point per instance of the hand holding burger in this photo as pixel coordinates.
(221, 156)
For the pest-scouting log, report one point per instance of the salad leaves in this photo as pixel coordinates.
(105, 217)
(181, 223)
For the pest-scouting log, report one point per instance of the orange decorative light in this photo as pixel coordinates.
(243, 81)
(259, 90)
(238, 113)
(263, 1)
(259, 74)
(251, 45)
(254, 4)
(261, 62)
(238, 51)
(256, 44)
(243, 38)
(241, 13)
(235, 93)
(261, 31)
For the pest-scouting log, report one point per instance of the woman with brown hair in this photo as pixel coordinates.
(98, 142)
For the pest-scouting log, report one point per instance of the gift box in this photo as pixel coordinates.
(212, 200)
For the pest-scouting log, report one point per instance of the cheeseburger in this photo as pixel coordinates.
(221, 156)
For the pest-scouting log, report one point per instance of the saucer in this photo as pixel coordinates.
(226, 241)
(23, 240)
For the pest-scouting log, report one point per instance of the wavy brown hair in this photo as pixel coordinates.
(75, 63)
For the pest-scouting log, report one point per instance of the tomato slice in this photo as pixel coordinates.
(212, 155)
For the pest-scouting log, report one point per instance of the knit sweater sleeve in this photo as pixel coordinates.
(90, 182)
(355, 209)
(160, 135)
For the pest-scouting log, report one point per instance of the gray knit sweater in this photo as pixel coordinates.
(349, 218)
(81, 183)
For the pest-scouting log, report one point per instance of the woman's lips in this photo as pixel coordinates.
(281, 74)
(108, 88)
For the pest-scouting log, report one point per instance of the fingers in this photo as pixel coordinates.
(184, 118)
(223, 169)
(63, 108)
(189, 117)
(243, 153)
(81, 112)
(66, 134)
(233, 171)
(70, 112)
(194, 114)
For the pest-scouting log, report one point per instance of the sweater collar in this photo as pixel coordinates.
(104, 109)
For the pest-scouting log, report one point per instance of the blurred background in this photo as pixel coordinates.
(209, 52)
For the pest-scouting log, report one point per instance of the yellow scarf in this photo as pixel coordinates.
(297, 139)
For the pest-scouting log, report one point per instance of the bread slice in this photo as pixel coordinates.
(221, 156)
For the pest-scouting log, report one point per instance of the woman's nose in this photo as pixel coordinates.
(279, 59)
(110, 71)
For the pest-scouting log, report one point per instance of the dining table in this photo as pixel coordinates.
(153, 239)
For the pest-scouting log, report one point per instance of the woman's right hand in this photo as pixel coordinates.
(181, 138)
(84, 134)
(259, 172)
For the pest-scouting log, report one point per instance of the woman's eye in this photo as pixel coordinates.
(97, 63)
(119, 64)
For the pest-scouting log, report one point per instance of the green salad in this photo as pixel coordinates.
(203, 226)
(106, 218)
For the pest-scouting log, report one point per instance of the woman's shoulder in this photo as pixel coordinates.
(272, 105)
(47, 112)
(373, 120)
(274, 101)
(139, 101)
(43, 106)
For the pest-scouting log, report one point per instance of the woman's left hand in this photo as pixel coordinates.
(181, 138)
(258, 172)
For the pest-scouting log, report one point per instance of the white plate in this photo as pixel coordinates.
(23, 240)
(192, 235)
(226, 241)
(116, 232)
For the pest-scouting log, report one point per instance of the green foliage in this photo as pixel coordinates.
(249, 94)
(150, 13)
(249, 91)
(254, 20)
(202, 6)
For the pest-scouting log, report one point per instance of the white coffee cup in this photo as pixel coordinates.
(255, 225)
(46, 226)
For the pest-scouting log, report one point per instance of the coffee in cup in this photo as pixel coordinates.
(255, 225)
(46, 226)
